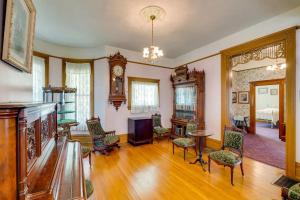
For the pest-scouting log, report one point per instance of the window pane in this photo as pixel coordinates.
(144, 97)
(38, 78)
(78, 76)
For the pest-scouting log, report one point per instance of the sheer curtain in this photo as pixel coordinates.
(144, 97)
(38, 78)
(78, 75)
(186, 98)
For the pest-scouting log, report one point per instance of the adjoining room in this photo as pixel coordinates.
(135, 99)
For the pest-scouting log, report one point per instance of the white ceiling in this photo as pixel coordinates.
(189, 24)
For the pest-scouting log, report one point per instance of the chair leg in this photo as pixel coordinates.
(231, 174)
(242, 170)
(208, 164)
(90, 159)
(183, 153)
(173, 148)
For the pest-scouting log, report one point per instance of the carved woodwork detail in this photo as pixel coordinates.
(117, 66)
(31, 144)
(45, 131)
(272, 51)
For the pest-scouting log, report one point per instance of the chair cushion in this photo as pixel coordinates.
(294, 192)
(89, 188)
(224, 156)
(111, 139)
(160, 130)
(156, 120)
(184, 142)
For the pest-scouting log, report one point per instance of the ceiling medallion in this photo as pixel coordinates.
(151, 13)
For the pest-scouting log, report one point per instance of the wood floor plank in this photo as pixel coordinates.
(153, 172)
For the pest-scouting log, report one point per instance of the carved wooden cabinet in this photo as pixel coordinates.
(189, 100)
(140, 130)
(33, 158)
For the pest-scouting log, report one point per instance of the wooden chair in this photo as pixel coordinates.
(231, 153)
(186, 142)
(103, 141)
(158, 130)
(292, 193)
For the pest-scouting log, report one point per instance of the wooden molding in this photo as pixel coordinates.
(297, 170)
(130, 79)
(289, 37)
(100, 58)
(199, 59)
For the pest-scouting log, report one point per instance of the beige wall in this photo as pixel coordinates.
(14, 84)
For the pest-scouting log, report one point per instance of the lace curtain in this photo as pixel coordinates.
(38, 78)
(186, 98)
(78, 75)
(144, 97)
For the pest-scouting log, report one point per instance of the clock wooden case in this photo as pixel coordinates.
(117, 67)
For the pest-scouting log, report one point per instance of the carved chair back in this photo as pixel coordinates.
(156, 120)
(95, 128)
(234, 140)
(190, 127)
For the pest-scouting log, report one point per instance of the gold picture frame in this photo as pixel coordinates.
(19, 34)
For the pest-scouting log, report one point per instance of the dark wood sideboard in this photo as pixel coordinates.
(140, 130)
(34, 162)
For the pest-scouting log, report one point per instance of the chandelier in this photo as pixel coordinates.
(152, 13)
(276, 67)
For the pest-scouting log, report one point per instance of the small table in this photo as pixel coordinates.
(200, 135)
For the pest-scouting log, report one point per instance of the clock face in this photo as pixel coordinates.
(118, 70)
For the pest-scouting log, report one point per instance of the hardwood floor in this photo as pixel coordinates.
(152, 172)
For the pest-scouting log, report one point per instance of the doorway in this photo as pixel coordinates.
(267, 108)
(288, 37)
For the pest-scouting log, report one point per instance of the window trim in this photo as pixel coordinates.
(46, 58)
(91, 62)
(147, 80)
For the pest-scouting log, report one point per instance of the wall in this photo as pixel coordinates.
(240, 82)
(110, 118)
(267, 100)
(212, 69)
(14, 84)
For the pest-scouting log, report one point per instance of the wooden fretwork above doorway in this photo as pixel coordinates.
(289, 38)
(253, 85)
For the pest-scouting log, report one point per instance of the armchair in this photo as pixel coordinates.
(158, 130)
(231, 153)
(187, 142)
(103, 141)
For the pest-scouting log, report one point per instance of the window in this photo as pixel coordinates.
(143, 95)
(79, 75)
(38, 77)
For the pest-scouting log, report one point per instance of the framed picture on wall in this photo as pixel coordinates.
(234, 97)
(273, 91)
(19, 34)
(243, 97)
(263, 91)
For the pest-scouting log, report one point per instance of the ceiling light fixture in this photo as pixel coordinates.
(151, 13)
(276, 67)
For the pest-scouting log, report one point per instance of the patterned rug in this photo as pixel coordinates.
(265, 147)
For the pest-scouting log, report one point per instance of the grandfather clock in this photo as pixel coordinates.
(117, 66)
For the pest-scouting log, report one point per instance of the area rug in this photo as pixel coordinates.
(266, 149)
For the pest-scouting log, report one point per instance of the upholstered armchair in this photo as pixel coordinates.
(292, 193)
(187, 142)
(103, 141)
(231, 153)
(158, 130)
